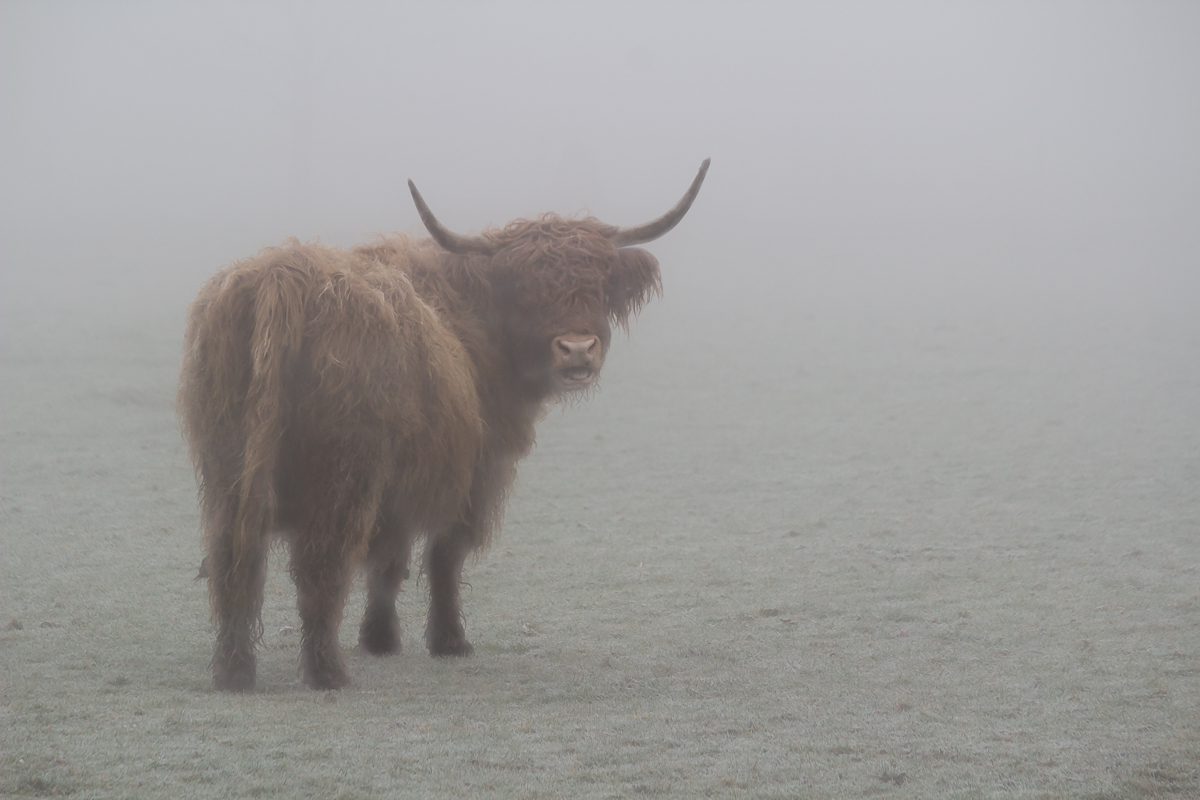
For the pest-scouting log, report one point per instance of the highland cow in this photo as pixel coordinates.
(350, 401)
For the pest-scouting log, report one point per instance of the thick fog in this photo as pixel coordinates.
(917, 158)
(893, 490)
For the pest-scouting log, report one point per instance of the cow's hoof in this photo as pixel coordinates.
(233, 679)
(450, 647)
(380, 638)
(323, 668)
(327, 679)
(233, 670)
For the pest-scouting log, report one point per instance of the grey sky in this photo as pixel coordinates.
(899, 146)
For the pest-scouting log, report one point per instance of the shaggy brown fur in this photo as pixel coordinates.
(350, 401)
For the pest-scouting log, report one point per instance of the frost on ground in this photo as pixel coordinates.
(800, 555)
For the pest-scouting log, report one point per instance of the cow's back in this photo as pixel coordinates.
(368, 375)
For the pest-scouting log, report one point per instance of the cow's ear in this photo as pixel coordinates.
(633, 281)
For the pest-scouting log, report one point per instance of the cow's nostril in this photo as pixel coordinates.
(575, 349)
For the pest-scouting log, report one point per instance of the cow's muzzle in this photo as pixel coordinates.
(577, 360)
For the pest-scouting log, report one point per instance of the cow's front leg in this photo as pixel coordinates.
(444, 557)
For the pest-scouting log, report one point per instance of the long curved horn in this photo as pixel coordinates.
(454, 242)
(640, 234)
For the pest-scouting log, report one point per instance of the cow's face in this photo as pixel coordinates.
(558, 344)
(561, 286)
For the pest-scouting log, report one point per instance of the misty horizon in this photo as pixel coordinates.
(879, 154)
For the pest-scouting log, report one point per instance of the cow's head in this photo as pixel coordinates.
(561, 284)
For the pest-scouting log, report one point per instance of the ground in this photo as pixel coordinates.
(788, 555)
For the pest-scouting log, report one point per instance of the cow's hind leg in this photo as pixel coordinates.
(444, 558)
(387, 566)
(322, 583)
(322, 567)
(235, 589)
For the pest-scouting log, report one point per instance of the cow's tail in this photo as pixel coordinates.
(244, 330)
(278, 315)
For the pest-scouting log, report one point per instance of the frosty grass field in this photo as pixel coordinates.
(778, 555)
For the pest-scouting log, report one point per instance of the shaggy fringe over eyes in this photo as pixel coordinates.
(632, 283)
(571, 263)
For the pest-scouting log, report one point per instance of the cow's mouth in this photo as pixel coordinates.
(577, 377)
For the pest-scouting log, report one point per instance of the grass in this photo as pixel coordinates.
(732, 579)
